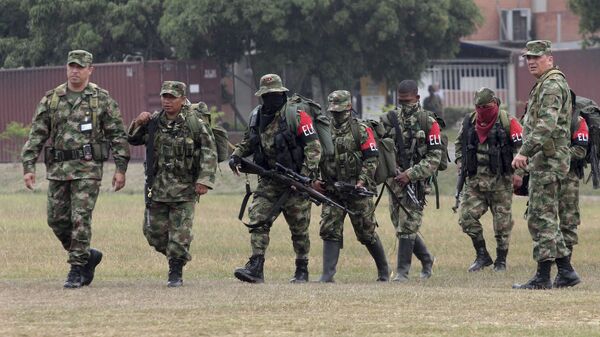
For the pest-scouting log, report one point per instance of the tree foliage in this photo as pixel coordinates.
(589, 19)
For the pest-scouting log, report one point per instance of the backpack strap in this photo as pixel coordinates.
(354, 128)
(504, 120)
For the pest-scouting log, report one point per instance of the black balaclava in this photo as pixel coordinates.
(272, 102)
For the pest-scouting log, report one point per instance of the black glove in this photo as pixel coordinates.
(234, 162)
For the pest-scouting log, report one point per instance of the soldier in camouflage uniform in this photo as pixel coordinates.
(545, 154)
(568, 193)
(83, 123)
(355, 161)
(181, 161)
(272, 137)
(485, 145)
(418, 161)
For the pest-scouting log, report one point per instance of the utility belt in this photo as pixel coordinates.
(88, 152)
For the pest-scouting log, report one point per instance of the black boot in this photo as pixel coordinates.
(252, 272)
(541, 279)
(421, 252)
(405, 251)
(87, 273)
(378, 254)
(567, 276)
(74, 277)
(331, 253)
(301, 274)
(483, 258)
(500, 263)
(175, 273)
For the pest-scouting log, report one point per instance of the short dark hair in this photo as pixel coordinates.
(408, 87)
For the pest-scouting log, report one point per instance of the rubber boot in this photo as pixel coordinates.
(175, 273)
(427, 260)
(252, 272)
(87, 273)
(331, 254)
(73, 278)
(378, 254)
(301, 274)
(567, 276)
(541, 279)
(500, 263)
(483, 258)
(405, 251)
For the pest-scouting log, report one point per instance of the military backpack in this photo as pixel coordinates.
(590, 111)
(219, 133)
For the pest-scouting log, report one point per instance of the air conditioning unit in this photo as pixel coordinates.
(515, 25)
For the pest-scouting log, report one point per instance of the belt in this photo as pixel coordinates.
(84, 153)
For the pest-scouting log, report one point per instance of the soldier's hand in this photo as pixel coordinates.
(519, 162)
(29, 179)
(360, 184)
(142, 118)
(517, 181)
(318, 186)
(402, 179)
(458, 167)
(118, 181)
(201, 189)
(235, 164)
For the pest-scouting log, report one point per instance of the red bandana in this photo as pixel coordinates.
(486, 117)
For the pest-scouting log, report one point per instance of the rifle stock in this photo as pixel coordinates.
(460, 183)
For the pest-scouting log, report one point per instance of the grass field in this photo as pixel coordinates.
(129, 296)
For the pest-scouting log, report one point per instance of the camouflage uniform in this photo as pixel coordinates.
(295, 209)
(183, 157)
(354, 160)
(488, 187)
(424, 152)
(81, 126)
(546, 131)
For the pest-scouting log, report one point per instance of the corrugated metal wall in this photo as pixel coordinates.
(135, 86)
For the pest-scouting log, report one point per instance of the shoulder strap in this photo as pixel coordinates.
(150, 172)
(354, 128)
(504, 120)
(424, 121)
(393, 118)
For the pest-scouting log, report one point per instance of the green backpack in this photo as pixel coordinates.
(220, 134)
(386, 166)
(590, 111)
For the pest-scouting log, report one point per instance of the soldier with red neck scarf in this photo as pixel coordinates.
(485, 145)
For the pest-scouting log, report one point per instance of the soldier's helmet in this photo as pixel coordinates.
(484, 96)
(270, 83)
(174, 88)
(537, 48)
(80, 57)
(339, 100)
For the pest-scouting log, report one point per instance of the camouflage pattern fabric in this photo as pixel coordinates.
(70, 206)
(546, 131)
(67, 119)
(475, 201)
(168, 228)
(296, 211)
(568, 208)
(364, 223)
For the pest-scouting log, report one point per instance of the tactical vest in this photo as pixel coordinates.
(499, 151)
(289, 152)
(347, 153)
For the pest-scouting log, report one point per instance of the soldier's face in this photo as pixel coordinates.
(171, 104)
(407, 98)
(538, 65)
(78, 75)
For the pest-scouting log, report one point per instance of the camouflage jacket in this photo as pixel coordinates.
(62, 126)
(182, 158)
(309, 140)
(352, 162)
(547, 125)
(485, 179)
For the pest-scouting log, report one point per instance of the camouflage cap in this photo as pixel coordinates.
(537, 48)
(339, 100)
(81, 57)
(270, 83)
(174, 88)
(484, 96)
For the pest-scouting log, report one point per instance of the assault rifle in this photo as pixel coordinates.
(593, 157)
(412, 195)
(460, 183)
(352, 190)
(296, 181)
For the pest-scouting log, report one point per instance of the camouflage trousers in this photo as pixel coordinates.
(70, 206)
(542, 217)
(364, 223)
(568, 208)
(168, 228)
(406, 225)
(295, 209)
(473, 205)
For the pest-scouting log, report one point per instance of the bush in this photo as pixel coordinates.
(453, 115)
(16, 133)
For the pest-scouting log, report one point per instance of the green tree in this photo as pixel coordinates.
(16, 133)
(589, 19)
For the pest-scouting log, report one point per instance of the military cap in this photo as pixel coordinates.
(339, 100)
(174, 88)
(484, 95)
(270, 83)
(537, 48)
(81, 57)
